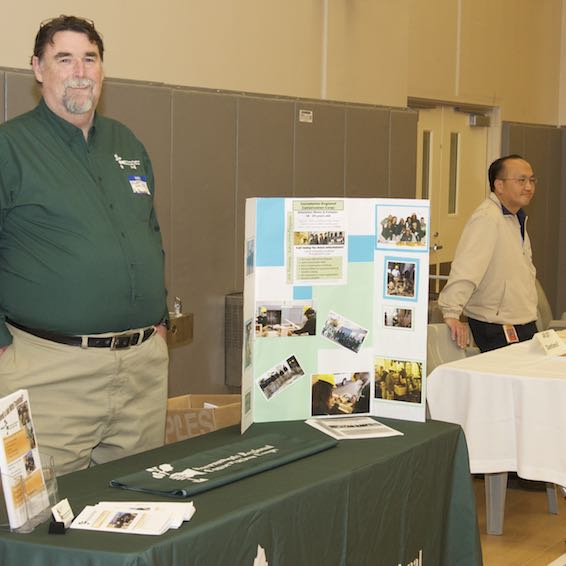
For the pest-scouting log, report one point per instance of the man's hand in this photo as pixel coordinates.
(162, 331)
(458, 332)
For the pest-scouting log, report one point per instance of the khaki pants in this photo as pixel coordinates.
(89, 405)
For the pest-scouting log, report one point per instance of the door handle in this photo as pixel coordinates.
(436, 247)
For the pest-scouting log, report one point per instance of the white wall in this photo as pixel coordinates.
(503, 53)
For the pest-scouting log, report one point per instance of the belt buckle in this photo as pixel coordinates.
(121, 341)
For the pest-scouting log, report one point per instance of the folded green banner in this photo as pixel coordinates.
(225, 464)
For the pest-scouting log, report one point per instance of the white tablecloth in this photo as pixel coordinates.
(511, 404)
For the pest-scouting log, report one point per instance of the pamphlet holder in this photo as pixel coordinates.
(20, 522)
(28, 505)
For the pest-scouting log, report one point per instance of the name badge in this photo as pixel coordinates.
(510, 333)
(139, 184)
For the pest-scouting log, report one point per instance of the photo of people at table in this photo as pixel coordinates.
(395, 317)
(400, 278)
(280, 376)
(340, 393)
(344, 332)
(318, 238)
(285, 318)
(398, 380)
(401, 226)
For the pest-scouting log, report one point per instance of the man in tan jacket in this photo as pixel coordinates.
(492, 279)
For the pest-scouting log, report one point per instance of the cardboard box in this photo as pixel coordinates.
(187, 416)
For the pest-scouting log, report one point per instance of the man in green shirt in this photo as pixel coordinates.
(82, 296)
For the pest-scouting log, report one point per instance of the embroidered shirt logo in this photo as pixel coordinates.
(131, 163)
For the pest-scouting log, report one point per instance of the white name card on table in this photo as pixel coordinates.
(551, 343)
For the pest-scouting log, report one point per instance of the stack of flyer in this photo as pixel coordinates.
(344, 428)
(134, 517)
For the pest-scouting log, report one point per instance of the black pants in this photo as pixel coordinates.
(489, 336)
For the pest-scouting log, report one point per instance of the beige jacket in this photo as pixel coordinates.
(492, 276)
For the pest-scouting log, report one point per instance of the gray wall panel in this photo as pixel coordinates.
(403, 154)
(2, 101)
(22, 93)
(536, 149)
(319, 151)
(367, 152)
(513, 136)
(542, 147)
(146, 110)
(561, 231)
(265, 159)
(553, 214)
(203, 227)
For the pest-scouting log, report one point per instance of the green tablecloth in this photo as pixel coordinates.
(383, 502)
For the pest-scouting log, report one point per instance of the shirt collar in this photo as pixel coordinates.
(521, 214)
(66, 130)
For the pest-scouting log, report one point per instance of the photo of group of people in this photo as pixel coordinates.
(395, 317)
(277, 319)
(318, 238)
(344, 332)
(122, 520)
(400, 278)
(340, 393)
(399, 226)
(398, 380)
(280, 376)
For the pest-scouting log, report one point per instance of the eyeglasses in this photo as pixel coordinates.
(64, 18)
(521, 180)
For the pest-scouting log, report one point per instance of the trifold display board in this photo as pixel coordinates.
(335, 308)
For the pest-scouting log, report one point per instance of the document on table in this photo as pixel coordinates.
(344, 428)
(134, 517)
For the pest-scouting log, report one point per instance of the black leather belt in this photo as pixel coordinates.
(118, 341)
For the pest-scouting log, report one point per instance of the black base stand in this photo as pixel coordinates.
(56, 527)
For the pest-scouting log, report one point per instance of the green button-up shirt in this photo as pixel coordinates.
(80, 245)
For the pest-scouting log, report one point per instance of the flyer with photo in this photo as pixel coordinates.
(317, 231)
(23, 484)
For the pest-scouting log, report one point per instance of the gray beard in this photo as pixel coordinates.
(74, 107)
(71, 104)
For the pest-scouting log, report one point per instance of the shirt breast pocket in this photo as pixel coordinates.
(142, 206)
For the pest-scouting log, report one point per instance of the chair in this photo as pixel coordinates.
(441, 349)
(545, 320)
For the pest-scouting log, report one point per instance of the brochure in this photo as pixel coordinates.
(180, 510)
(134, 517)
(345, 428)
(25, 493)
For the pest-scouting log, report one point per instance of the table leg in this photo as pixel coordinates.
(495, 490)
(551, 498)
